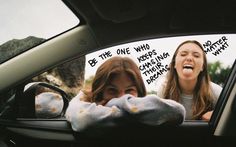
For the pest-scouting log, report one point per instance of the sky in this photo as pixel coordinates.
(40, 18)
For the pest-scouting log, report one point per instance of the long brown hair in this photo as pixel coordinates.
(202, 96)
(111, 68)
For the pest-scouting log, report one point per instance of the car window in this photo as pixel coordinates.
(153, 58)
(28, 23)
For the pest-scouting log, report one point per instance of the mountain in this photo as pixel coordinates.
(15, 46)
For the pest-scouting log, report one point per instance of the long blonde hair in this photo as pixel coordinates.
(111, 68)
(202, 96)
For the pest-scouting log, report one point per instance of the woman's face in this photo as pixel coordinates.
(119, 85)
(189, 61)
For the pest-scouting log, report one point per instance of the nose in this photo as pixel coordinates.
(121, 93)
(189, 58)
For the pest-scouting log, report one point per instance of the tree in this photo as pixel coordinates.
(218, 73)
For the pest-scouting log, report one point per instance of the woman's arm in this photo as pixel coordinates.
(151, 109)
(207, 116)
(82, 114)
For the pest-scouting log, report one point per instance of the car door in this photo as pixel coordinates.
(48, 132)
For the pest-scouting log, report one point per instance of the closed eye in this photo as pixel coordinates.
(131, 90)
(111, 90)
(183, 54)
(197, 55)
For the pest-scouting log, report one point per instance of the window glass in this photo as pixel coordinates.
(153, 57)
(27, 23)
(188, 65)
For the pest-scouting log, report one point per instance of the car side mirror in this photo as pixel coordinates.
(42, 100)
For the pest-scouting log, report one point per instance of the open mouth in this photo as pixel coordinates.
(188, 67)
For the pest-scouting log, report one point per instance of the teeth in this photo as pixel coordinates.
(188, 66)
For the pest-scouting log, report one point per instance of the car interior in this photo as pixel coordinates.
(105, 23)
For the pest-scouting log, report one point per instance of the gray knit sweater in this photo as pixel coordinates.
(150, 110)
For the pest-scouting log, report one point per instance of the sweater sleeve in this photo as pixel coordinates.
(82, 114)
(151, 109)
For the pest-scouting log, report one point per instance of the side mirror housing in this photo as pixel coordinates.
(42, 100)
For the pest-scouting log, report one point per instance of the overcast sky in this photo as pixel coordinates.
(40, 18)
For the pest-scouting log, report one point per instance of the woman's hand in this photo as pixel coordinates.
(207, 116)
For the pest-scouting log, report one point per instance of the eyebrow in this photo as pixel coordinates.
(194, 52)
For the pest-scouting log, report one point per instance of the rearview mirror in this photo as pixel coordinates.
(42, 100)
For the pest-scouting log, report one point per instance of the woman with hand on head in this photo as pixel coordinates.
(188, 81)
(119, 91)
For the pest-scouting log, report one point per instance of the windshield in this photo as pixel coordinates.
(27, 23)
